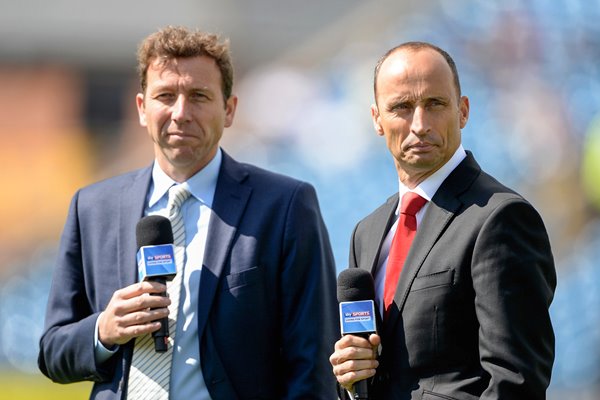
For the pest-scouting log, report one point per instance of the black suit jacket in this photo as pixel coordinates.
(470, 317)
(267, 310)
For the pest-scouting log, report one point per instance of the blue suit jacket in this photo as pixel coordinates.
(267, 308)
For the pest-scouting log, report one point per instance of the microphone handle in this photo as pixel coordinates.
(161, 336)
(361, 388)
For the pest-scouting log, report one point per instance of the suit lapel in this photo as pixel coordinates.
(444, 205)
(132, 202)
(379, 226)
(229, 203)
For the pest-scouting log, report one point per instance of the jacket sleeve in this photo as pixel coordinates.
(67, 345)
(514, 280)
(309, 306)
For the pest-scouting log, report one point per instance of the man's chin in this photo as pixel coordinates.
(180, 155)
(422, 162)
(423, 159)
(186, 158)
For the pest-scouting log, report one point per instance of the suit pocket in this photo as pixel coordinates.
(441, 278)
(243, 292)
(431, 316)
(243, 278)
(427, 395)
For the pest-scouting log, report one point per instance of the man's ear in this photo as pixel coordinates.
(463, 108)
(230, 107)
(376, 119)
(139, 101)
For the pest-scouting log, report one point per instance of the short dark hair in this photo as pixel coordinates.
(418, 46)
(180, 42)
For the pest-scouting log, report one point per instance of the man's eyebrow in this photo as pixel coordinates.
(199, 89)
(439, 97)
(395, 101)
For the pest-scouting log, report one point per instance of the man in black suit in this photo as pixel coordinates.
(256, 313)
(468, 318)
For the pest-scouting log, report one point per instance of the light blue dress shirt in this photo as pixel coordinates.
(187, 382)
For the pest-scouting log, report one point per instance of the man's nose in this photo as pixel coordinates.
(420, 122)
(180, 110)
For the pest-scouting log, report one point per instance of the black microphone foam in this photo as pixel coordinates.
(153, 230)
(355, 284)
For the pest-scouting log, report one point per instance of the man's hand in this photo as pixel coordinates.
(353, 359)
(132, 312)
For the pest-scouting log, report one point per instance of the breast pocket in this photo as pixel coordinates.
(432, 280)
(239, 280)
(243, 294)
(426, 317)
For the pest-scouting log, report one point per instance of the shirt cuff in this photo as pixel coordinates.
(100, 352)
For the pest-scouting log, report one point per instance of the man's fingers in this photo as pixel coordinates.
(140, 288)
(140, 321)
(122, 306)
(352, 347)
(374, 339)
(354, 359)
(352, 341)
(351, 353)
(352, 371)
(121, 329)
(144, 317)
(354, 366)
(133, 311)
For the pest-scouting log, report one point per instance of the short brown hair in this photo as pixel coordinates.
(418, 46)
(180, 42)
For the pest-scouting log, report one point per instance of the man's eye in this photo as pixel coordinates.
(436, 103)
(199, 96)
(401, 107)
(164, 96)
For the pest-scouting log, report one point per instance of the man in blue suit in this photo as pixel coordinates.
(257, 312)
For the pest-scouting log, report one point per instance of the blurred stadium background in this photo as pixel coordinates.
(304, 71)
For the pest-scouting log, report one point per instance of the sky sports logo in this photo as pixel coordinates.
(156, 261)
(357, 317)
(159, 259)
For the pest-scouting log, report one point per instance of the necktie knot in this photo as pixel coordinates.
(177, 195)
(411, 203)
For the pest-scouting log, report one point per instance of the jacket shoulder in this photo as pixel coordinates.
(112, 185)
(260, 179)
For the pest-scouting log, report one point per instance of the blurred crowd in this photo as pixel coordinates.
(530, 70)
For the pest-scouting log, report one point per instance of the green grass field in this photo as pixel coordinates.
(17, 386)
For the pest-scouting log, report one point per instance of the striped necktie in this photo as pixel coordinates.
(151, 371)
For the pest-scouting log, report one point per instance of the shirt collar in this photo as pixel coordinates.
(201, 185)
(430, 185)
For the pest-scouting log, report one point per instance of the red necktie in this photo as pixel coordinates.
(405, 232)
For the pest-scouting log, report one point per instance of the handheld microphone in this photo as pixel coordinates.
(356, 294)
(156, 262)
